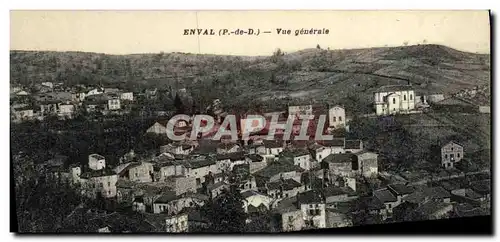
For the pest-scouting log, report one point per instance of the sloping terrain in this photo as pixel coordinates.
(312, 75)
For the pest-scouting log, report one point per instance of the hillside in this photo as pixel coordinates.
(313, 75)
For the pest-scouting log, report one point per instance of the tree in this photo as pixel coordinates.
(226, 212)
(318, 47)
(179, 106)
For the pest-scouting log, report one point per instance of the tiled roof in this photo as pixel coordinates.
(166, 197)
(276, 168)
(286, 185)
(340, 158)
(384, 195)
(400, 189)
(97, 173)
(309, 197)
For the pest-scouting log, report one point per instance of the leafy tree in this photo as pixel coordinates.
(179, 106)
(226, 212)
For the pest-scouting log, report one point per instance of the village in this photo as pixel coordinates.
(299, 184)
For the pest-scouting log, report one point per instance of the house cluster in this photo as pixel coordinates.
(57, 100)
(336, 119)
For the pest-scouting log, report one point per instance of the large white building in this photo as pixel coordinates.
(394, 99)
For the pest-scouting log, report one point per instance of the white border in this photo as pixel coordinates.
(207, 5)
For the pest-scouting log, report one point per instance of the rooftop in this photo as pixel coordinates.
(286, 185)
(277, 168)
(400, 189)
(384, 195)
(340, 158)
(310, 197)
(166, 197)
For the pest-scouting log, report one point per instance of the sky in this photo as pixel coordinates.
(127, 32)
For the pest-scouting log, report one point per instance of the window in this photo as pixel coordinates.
(109, 184)
(340, 118)
(310, 206)
(452, 156)
(411, 97)
(389, 205)
(334, 119)
(451, 148)
(404, 97)
(394, 101)
(445, 156)
(458, 155)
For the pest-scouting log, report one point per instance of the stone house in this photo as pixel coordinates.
(336, 117)
(136, 171)
(451, 153)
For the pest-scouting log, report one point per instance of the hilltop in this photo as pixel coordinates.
(312, 75)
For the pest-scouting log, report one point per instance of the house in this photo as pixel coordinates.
(95, 91)
(433, 210)
(276, 171)
(340, 164)
(200, 168)
(256, 200)
(101, 181)
(161, 204)
(22, 114)
(171, 204)
(335, 195)
(48, 84)
(451, 153)
(97, 162)
(114, 104)
(301, 158)
(182, 184)
(226, 162)
(284, 188)
(177, 148)
(353, 146)
(164, 168)
(335, 145)
(129, 96)
(387, 198)
(217, 188)
(319, 152)
(394, 99)
(247, 183)
(467, 195)
(138, 204)
(135, 171)
(400, 191)
(190, 221)
(339, 215)
(312, 205)
(66, 110)
(437, 193)
(336, 117)
(272, 147)
(256, 162)
(288, 215)
(49, 107)
(367, 163)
